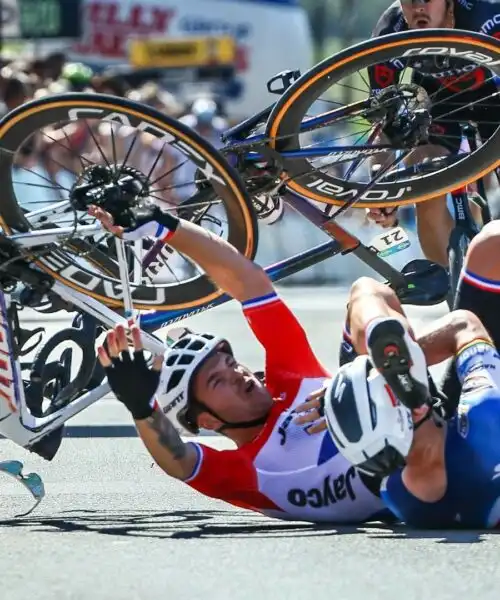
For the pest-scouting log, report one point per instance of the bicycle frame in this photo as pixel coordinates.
(20, 426)
(342, 242)
(25, 429)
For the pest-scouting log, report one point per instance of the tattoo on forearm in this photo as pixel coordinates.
(167, 435)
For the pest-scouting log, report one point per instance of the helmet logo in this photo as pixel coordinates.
(177, 400)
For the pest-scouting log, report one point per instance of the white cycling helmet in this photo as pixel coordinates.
(181, 363)
(369, 425)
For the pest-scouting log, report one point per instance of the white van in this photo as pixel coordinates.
(271, 36)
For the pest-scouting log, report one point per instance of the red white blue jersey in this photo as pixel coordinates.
(285, 472)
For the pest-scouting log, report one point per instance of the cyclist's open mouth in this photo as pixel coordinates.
(421, 22)
(249, 386)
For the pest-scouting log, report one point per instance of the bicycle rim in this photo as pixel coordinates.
(291, 109)
(228, 190)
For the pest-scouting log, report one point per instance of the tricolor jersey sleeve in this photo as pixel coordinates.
(228, 475)
(288, 351)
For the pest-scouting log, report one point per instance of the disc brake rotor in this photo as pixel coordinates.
(404, 113)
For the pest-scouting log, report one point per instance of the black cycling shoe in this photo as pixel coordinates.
(392, 358)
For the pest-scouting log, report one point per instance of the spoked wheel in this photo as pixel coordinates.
(339, 139)
(55, 145)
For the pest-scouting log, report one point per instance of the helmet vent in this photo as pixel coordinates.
(182, 343)
(171, 358)
(174, 379)
(196, 345)
(186, 359)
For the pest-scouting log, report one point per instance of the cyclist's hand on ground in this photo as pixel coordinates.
(311, 411)
(386, 217)
(130, 378)
(106, 220)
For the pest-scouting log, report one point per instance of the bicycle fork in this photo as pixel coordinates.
(464, 231)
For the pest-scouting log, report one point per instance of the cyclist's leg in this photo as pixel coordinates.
(434, 221)
(487, 126)
(370, 300)
(385, 302)
(479, 291)
(346, 353)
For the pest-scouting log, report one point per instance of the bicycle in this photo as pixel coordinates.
(76, 267)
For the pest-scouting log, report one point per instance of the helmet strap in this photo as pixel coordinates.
(238, 425)
(242, 424)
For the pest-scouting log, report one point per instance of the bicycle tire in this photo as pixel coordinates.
(31, 117)
(284, 122)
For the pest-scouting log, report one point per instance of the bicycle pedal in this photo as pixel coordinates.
(392, 358)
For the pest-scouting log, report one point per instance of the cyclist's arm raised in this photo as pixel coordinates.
(232, 272)
(134, 385)
(241, 279)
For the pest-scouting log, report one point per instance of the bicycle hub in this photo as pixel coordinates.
(115, 189)
(404, 111)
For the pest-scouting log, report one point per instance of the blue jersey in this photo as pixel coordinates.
(472, 454)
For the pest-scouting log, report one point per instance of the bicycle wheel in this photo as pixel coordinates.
(290, 120)
(52, 144)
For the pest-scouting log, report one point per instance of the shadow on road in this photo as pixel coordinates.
(193, 524)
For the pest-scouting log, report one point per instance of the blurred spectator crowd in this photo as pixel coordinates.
(58, 153)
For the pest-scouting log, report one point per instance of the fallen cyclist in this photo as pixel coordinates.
(437, 473)
(277, 468)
